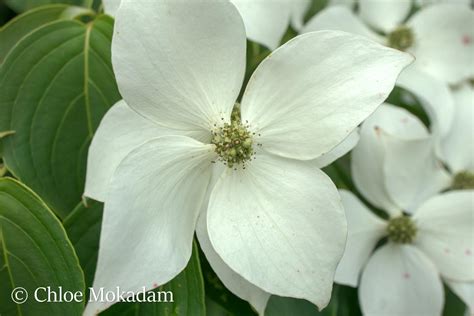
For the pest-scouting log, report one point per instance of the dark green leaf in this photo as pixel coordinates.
(23, 24)
(56, 85)
(6, 14)
(25, 5)
(83, 228)
(285, 306)
(453, 305)
(214, 309)
(343, 303)
(188, 295)
(35, 253)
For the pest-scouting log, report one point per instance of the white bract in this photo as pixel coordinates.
(111, 6)
(266, 21)
(435, 97)
(394, 165)
(465, 3)
(171, 159)
(440, 36)
(402, 277)
(457, 146)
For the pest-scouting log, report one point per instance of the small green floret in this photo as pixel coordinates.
(401, 230)
(463, 181)
(233, 141)
(401, 38)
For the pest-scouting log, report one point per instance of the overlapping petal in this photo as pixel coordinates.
(341, 18)
(445, 225)
(458, 145)
(170, 68)
(120, 131)
(444, 41)
(433, 94)
(150, 215)
(257, 297)
(384, 15)
(465, 3)
(111, 6)
(400, 280)
(340, 150)
(283, 217)
(232, 280)
(265, 20)
(308, 87)
(412, 171)
(368, 157)
(298, 12)
(364, 231)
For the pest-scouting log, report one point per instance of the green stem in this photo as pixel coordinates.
(88, 3)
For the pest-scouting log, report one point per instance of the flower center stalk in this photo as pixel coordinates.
(463, 181)
(401, 230)
(401, 38)
(233, 141)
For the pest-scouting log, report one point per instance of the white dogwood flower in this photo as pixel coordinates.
(171, 153)
(403, 169)
(435, 240)
(440, 36)
(403, 276)
(111, 6)
(455, 148)
(266, 21)
(435, 97)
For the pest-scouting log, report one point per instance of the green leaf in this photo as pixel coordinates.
(453, 305)
(83, 228)
(35, 252)
(2, 135)
(16, 29)
(188, 294)
(6, 14)
(286, 306)
(343, 303)
(215, 309)
(25, 5)
(55, 86)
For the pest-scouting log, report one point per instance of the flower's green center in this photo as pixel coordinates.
(233, 141)
(401, 38)
(401, 230)
(463, 181)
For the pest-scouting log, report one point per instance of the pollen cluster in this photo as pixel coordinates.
(401, 38)
(233, 141)
(463, 181)
(401, 230)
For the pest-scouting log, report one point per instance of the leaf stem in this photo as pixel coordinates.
(88, 3)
